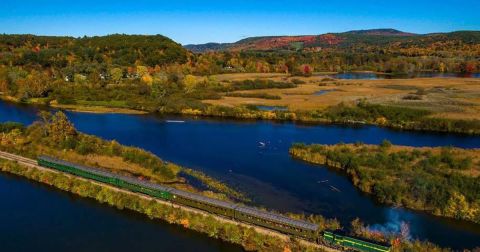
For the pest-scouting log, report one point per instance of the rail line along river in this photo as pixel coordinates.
(253, 157)
(35, 217)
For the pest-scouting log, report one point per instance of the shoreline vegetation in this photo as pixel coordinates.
(359, 113)
(54, 135)
(247, 237)
(442, 181)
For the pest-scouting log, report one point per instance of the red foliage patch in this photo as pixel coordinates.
(330, 39)
(278, 42)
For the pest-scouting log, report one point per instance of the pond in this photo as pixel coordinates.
(322, 92)
(271, 108)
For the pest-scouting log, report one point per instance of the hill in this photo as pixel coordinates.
(117, 49)
(381, 32)
(375, 37)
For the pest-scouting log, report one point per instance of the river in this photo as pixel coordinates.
(252, 156)
(36, 217)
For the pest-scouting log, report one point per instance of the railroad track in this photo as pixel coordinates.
(17, 158)
(33, 163)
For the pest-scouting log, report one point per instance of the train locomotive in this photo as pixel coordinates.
(297, 228)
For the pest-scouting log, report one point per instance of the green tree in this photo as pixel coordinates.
(142, 70)
(117, 74)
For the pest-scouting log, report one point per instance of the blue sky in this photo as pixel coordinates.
(188, 21)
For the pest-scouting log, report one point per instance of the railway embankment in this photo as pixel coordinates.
(248, 236)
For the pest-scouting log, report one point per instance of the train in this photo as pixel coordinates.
(296, 228)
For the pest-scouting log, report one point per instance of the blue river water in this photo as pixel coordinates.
(36, 217)
(252, 156)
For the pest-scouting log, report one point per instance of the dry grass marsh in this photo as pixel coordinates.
(456, 98)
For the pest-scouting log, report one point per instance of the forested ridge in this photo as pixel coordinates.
(153, 73)
(384, 50)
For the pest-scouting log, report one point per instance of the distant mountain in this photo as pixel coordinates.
(208, 47)
(381, 32)
(374, 37)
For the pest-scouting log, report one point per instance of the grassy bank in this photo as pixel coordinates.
(363, 113)
(55, 136)
(99, 107)
(441, 181)
(440, 105)
(248, 238)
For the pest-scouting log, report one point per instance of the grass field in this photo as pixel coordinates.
(455, 98)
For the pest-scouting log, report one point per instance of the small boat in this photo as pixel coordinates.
(262, 144)
(174, 121)
(333, 188)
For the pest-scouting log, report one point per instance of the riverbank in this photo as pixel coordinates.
(58, 138)
(75, 107)
(249, 237)
(237, 164)
(55, 136)
(440, 181)
(450, 105)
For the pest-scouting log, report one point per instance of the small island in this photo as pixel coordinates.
(442, 181)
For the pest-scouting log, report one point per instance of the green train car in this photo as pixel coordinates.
(120, 181)
(280, 223)
(210, 205)
(338, 239)
(297, 228)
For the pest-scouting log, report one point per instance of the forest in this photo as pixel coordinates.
(155, 74)
(442, 180)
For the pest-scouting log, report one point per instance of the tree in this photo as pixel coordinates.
(458, 207)
(306, 70)
(45, 117)
(147, 79)
(142, 71)
(35, 84)
(117, 74)
(61, 131)
(190, 82)
(3, 80)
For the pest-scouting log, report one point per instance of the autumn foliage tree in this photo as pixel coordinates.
(306, 70)
(59, 130)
